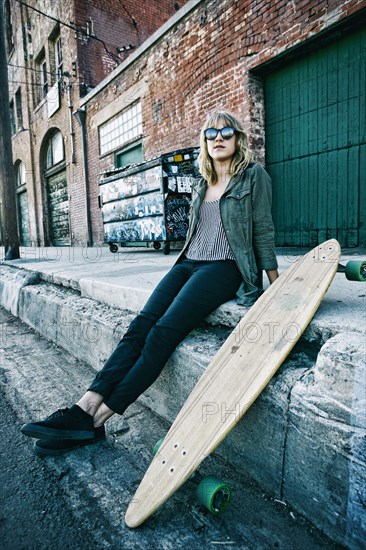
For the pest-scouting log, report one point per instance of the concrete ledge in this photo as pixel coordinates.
(325, 456)
(304, 438)
(113, 295)
(12, 281)
(85, 328)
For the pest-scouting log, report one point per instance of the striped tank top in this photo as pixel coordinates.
(209, 240)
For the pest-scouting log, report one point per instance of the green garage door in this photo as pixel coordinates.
(316, 145)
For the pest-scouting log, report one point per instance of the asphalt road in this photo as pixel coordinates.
(34, 512)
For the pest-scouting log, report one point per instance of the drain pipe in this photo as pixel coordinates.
(69, 103)
(80, 115)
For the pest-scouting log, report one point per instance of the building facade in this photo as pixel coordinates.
(57, 53)
(294, 72)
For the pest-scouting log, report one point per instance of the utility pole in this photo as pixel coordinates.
(7, 177)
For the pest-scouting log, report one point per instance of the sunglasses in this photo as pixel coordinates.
(226, 133)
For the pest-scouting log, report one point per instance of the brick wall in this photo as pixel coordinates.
(117, 24)
(204, 63)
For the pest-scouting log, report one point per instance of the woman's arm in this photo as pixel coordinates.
(263, 229)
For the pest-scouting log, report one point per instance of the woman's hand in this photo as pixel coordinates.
(272, 275)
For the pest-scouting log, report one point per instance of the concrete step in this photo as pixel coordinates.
(98, 481)
(302, 440)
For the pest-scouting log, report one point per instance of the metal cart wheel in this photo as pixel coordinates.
(157, 245)
(113, 247)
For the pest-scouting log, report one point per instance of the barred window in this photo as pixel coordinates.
(120, 129)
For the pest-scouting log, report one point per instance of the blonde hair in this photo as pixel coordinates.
(243, 155)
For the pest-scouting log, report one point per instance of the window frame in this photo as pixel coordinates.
(122, 129)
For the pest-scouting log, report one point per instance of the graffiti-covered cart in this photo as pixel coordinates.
(149, 202)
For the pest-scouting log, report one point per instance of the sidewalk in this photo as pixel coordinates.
(303, 439)
(126, 279)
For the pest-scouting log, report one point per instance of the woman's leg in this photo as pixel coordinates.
(210, 285)
(77, 422)
(129, 348)
(90, 402)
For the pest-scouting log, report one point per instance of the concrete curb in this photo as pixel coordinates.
(272, 444)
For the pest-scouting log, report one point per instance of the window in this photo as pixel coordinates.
(12, 118)
(120, 129)
(44, 82)
(18, 105)
(55, 55)
(42, 76)
(58, 57)
(130, 155)
(20, 175)
(55, 151)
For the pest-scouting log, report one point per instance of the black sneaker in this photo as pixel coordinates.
(73, 423)
(52, 447)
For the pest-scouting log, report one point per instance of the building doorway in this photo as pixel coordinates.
(56, 192)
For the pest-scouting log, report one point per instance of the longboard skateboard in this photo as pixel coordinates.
(236, 376)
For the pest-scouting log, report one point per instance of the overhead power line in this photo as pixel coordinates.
(31, 69)
(24, 82)
(76, 28)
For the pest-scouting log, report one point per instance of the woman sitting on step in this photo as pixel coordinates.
(230, 240)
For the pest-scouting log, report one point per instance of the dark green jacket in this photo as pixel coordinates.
(245, 209)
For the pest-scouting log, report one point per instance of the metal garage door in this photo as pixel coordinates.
(316, 144)
(58, 208)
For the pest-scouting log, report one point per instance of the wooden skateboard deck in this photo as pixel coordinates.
(236, 376)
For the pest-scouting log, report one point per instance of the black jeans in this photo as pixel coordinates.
(185, 296)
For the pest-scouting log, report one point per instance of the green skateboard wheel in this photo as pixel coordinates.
(356, 270)
(157, 446)
(214, 494)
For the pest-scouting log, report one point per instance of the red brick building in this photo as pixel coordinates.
(57, 53)
(293, 71)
